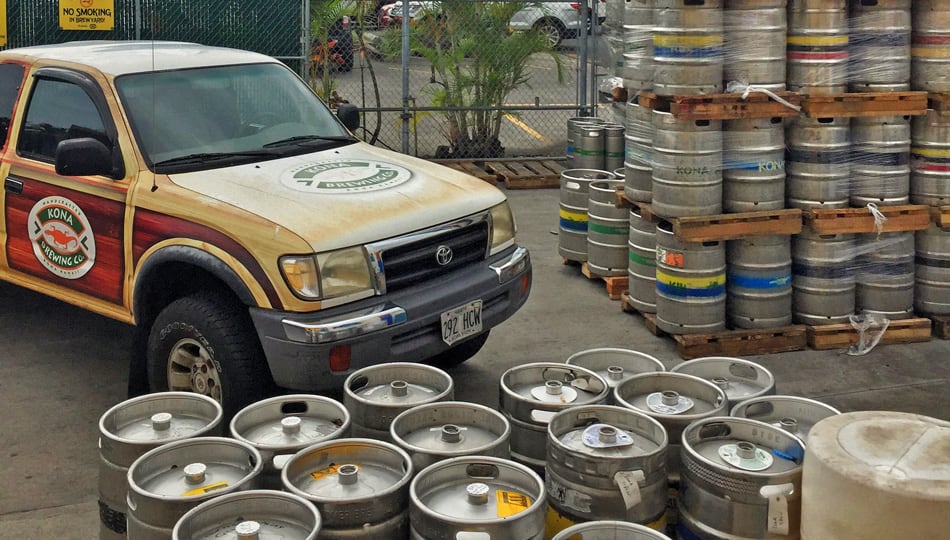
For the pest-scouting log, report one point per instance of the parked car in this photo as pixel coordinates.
(557, 20)
(207, 196)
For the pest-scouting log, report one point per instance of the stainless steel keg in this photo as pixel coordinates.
(932, 279)
(608, 229)
(818, 171)
(360, 487)
(609, 530)
(754, 42)
(250, 515)
(817, 46)
(281, 426)
(741, 479)
(530, 394)
(637, 71)
(690, 284)
(687, 166)
(759, 281)
(884, 281)
(572, 209)
(613, 146)
(478, 498)
(739, 379)
(879, 43)
(135, 426)
(880, 166)
(930, 155)
(794, 414)
(687, 47)
(930, 48)
(375, 395)
(753, 168)
(823, 282)
(572, 124)
(605, 462)
(638, 166)
(641, 270)
(448, 429)
(615, 365)
(168, 481)
(590, 143)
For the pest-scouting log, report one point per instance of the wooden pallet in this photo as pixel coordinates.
(939, 102)
(941, 326)
(643, 208)
(940, 215)
(721, 106)
(865, 104)
(738, 225)
(615, 285)
(906, 217)
(842, 336)
(474, 168)
(516, 173)
(728, 342)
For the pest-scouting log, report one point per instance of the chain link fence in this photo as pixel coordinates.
(462, 79)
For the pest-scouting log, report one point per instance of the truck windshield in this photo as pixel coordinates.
(204, 118)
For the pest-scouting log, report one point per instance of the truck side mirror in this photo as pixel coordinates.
(349, 114)
(83, 157)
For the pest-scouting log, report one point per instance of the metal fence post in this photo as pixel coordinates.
(405, 77)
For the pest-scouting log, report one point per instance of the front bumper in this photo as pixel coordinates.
(401, 327)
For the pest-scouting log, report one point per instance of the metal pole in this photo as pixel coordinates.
(305, 41)
(138, 19)
(405, 77)
(592, 52)
(582, 57)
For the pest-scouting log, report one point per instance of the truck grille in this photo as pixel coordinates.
(407, 264)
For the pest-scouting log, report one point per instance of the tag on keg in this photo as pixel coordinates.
(510, 503)
(567, 497)
(205, 489)
(320, 474)
(655, 402)
(605, 436)
(628, 482)
(778, 507)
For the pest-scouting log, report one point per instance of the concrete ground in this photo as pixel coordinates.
(62, 368)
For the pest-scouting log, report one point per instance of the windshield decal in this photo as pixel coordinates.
(345, 176)
(62, 237)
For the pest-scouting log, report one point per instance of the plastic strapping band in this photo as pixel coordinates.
(879, 218)
(746, 89)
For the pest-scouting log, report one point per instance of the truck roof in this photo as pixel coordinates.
(121, 57)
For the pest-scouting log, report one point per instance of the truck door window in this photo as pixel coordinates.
(58, 111)
(11, 78)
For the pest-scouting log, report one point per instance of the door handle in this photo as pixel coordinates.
(13, 185)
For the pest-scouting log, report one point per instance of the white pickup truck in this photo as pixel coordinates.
(207, 196)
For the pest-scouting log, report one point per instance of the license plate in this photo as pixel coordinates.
(461, 322)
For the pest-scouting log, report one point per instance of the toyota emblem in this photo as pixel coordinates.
(443, 255)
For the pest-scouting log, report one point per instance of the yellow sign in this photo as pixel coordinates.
(511, 503)
(86, 14)
(3, 22)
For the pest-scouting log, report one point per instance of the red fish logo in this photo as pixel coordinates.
(62, 237)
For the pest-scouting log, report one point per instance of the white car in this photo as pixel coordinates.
(557, 20)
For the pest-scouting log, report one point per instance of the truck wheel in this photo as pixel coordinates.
(459, 353)
(205, 343)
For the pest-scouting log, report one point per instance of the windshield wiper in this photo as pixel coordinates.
(214, 156)
(311, 139)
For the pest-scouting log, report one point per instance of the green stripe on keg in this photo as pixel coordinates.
(636, 258)
(585, 152)
(607, 229)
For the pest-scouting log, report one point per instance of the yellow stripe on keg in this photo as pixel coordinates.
(817, 41)
(928, 52)
(205, 489)
(573, 216)
(510, 503)
(692, 282)
(666, 40)
(930, 152)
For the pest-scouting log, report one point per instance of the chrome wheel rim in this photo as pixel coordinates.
(192, 369)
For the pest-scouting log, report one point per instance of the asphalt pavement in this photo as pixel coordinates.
(61, 368)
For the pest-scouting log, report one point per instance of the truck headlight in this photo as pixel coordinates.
(328, 275)
(502, 227)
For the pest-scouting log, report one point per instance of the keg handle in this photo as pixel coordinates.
(472, 535)
(279, 461)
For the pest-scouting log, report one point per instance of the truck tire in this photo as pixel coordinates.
(205, 343)
(459, 353)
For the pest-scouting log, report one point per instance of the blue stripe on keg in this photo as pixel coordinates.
(687, 52)
(571, 225)
(689, 292)
(823, 271)
(930, 261)
(878, 268)
(750, 282)
(890, 159)
(841, 157)
(758, 166)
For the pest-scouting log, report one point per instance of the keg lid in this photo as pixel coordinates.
(796, 415)
(450, 428)
(161, 417)
(290, 422)
(250, 515)
(739, 379)
(194, 468)
(397, 384)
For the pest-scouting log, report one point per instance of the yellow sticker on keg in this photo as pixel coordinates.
(511, 503)
(205, 489)
(320, 474)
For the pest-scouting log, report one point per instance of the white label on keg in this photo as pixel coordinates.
(628, 482)
(655, 403)
(568, 497)
(778, 507)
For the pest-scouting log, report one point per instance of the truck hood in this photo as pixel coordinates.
(346, 196)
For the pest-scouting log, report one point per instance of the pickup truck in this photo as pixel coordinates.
(208, 197)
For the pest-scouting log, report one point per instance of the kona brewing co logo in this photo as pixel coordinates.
(62, 238)
(345, 176)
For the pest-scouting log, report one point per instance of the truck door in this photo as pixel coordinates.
(11, 80)
(65, 234)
